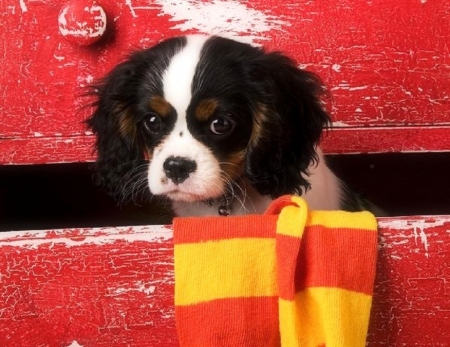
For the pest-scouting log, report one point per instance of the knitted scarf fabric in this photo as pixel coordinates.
(291, 277)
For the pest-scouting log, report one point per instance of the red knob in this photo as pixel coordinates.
(82, 22)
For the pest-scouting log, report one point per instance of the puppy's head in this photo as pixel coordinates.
(194, 114)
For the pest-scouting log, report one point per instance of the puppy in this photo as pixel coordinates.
(216, 126)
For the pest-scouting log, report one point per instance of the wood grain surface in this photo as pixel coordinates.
(386, 64)
(114, 286)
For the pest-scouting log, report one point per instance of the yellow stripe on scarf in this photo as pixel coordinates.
(221, 269)
(331, 316)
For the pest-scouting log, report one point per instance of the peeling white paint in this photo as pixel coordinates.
(233, 19)
(339, 124)
(418, 227)
(23, 6)
(336, 67)
(357, 88)
(423, 238)
(84, 81)
(58, 57)
(78, 237)
(402, 224)
(140, 286)
(74, 344)
(89, 79)
(130, 6)
(145, 288)
(343, 86)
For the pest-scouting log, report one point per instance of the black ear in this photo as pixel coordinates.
(287, 126)
(117, 143)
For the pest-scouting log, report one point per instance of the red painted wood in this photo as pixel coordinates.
(114, 286)
(387, 139)
(42, 150)
(411, 303)
(97, 287)
(386, 63)
(344, 140)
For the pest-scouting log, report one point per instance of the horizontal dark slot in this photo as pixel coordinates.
(64, 196)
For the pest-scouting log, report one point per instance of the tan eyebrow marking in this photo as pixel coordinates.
(206, 109)
(160, 105)
(126, 125)
(260, 119)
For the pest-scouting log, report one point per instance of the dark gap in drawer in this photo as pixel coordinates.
(402, 184)
(64, 196)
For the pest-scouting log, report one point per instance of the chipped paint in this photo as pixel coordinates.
(338, 124)
(78, 237)
(418, 227)
(422, 223)
(130, 6)
(23, 6)
(336, 67)
(233, 19)
(423, 239)
(138, 286)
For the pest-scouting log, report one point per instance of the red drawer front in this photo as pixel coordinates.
(114, 286)
(386, 63)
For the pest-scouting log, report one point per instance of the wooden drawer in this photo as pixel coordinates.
(385, 63)
(387, 66)
(114, 286)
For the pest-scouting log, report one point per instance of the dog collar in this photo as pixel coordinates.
(225, 204)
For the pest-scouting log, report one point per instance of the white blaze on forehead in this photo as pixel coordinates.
(177, 79)
(206, 181)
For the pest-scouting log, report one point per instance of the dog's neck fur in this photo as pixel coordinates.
(247, 200)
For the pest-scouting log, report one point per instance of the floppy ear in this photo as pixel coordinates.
(117, 142)
(287, 126)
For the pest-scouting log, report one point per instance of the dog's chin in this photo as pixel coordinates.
(178, 195)
(184, 197)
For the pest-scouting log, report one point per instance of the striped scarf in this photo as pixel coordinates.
(290, 277)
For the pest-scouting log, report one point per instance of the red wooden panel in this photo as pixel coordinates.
(41, 150)
(114, 286)
(345, 140)
(411, 303)
(386, 63)
(103, 287)
(386, 139)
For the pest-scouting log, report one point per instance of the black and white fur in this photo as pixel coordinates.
(216, 126)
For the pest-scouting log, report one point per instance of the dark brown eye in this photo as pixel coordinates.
(221, 126)
(152, 123)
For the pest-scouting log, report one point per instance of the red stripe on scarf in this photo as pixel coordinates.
(230, 322)
(196, 230)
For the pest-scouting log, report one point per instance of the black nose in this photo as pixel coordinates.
(178, 169)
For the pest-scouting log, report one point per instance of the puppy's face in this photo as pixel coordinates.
(206, 112)
(196, 124)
